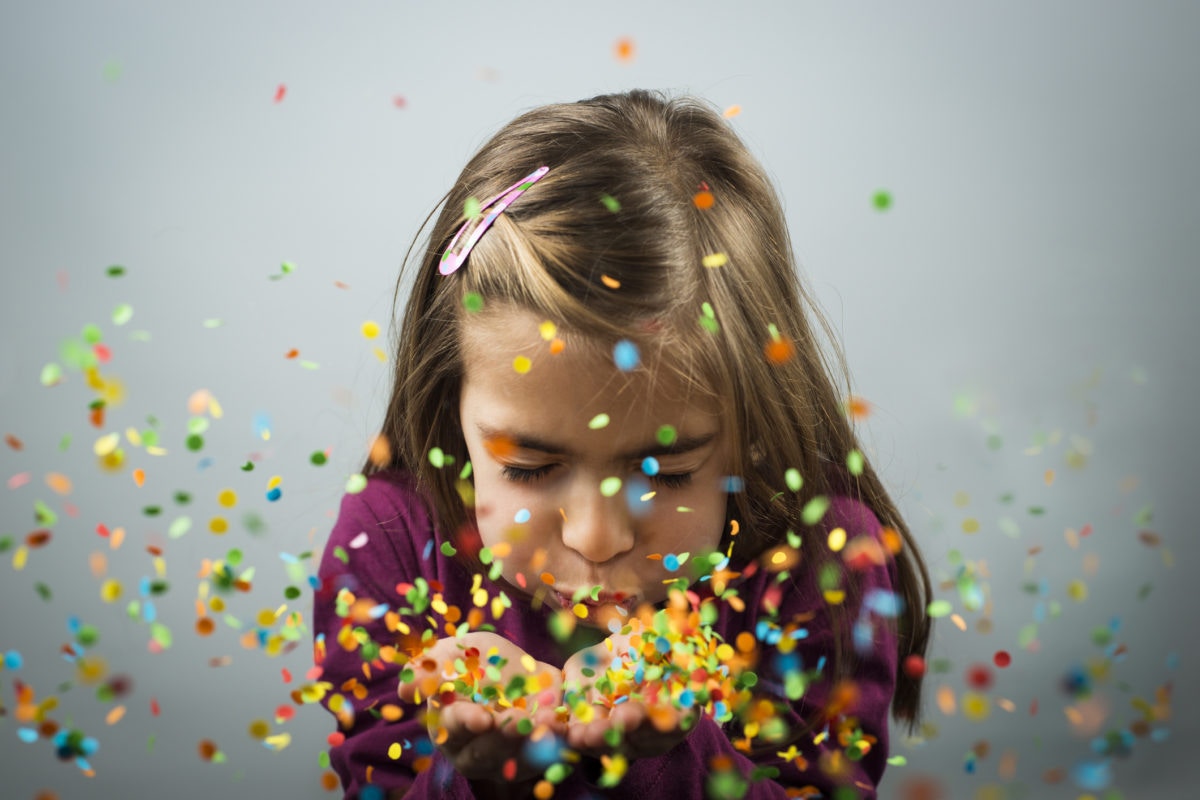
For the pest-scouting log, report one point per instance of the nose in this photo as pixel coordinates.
(599, 528)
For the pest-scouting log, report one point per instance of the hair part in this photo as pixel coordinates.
(633, 269)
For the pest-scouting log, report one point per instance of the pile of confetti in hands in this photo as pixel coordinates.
(634, 695)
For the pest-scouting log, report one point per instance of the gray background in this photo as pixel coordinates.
(1033, 281)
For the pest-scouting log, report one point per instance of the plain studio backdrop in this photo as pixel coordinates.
(1019, 317)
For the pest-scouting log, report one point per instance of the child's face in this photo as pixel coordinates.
(539, 466)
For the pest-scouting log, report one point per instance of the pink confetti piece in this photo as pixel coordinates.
(18, 480)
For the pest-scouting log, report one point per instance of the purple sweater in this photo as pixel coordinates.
(399, 527)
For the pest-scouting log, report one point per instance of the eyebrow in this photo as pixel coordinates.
(681, 445)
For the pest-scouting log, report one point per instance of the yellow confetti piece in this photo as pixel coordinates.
(106, 444)
(20, 556)
(370, 329)
(274, 482)
(548, 330)
(116, 538)
(732, 111)
(976, 707)
(1077, 590)
(959, 622)
(265, 618)
(522, 364)
(580, 610)
(114, 715)
(1049, 477)
(394, 751)
(837, 539)
(227, 498)
(98, 563)
(379, 354)
(110, 590)
(218, 525)
(715, 260)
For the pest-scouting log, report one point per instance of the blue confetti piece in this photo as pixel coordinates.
(27, 735)
(542, 752)
(522, 516)
(733, 484)
(625, 355)
(671, 562)
(687, 698)
(428, 550)
(863, 640)
(635, 489)
(371, 792)
(204, 463)
(1092, 775)
(650, 466)
(884, 603)
(149, 611)
(13, 660)
(274, 494)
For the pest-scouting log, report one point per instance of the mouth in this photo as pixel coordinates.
(623, 603)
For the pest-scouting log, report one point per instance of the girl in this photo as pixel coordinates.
(617, 535)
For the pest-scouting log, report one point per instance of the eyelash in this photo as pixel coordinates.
(522, 475)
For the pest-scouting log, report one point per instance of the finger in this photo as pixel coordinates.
(463, 722)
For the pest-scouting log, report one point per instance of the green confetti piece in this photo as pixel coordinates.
(248, 467)
(340, 554)
(708, 319)
(122, 314)
(87, 635)
(556, 773)
(939, 608)
(150, 744)
(610, 486)
(43, 514)
(1036, 511)
(437, 458)
(610, 203)
(448, 550)
(485, 556)
(995, 442)
(182, 498)
(287, 267)
(253, 523)
(323, 759)
(897, 761)
(115, 271)
(882, 200)
(43, 591)
(1027, 635)
(356, 483)
(473, 302)
(6, 543)
(214, 322)
(64, 443)
(318, 458)
(309, 365)
(151, 511)
(51, 374)
(1144, 515)
(599, 421)
(465, 472)
(179, 526)
(814, 510)
(666, 435)
(854, 462)
(525, 726)
(92, 334)
(793, 479)
(471, 208)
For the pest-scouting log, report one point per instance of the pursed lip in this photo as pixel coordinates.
(622, 600)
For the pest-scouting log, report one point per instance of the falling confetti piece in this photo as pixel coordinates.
(625, 355)
(522, 364)
(882, 200)
(732, 111)
(703, 200)
(624, 49)
(610, 203)
(611, 283)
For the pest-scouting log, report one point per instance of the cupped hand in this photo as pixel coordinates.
(476, 731)
(625, 718)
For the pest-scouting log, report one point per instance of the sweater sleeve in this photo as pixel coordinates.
(845, 754)
(376, 544)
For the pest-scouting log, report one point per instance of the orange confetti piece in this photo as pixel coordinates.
(116, 538)
(500, 447)
(624, 49)
(139, 477)
(858, 408)
(292, 353)
(732, 111)
(611, 283)
(703, 200)
(114, 715)
(381, 451)
(547, 578)
(13, 442)
(778, 351)
(59, 483)
(1049, 477)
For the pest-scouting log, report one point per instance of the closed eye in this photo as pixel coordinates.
(675, 480)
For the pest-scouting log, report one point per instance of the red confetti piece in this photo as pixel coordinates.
(280, 92)
(154, 708)
(287, 675)
(284, 713)
(103, 353)
(13, 442)
(979, 677)
(399, 101)
(335, 738)
(1002, 659)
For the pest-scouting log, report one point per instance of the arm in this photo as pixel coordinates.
(358, 578)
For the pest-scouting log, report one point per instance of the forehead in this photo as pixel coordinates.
(513, 377)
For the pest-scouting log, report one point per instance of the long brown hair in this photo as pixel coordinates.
(613, 237)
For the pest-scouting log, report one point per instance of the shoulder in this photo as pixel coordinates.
(382, 531)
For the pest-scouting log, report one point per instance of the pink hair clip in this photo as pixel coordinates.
(452, 259)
